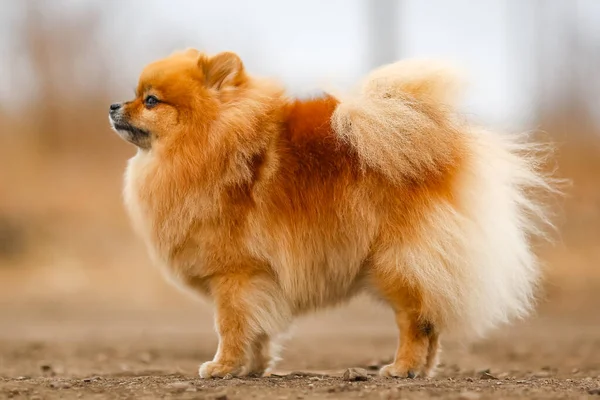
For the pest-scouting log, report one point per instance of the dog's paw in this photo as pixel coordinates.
(256, 373)
(397, 371)
(259, 367)
(212, 369)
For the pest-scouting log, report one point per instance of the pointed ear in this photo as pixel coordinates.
(223, 70)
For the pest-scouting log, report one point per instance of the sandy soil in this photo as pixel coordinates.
(75, 351)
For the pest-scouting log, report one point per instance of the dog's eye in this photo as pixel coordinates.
(150, 101)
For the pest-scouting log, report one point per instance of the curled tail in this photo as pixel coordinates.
(421, 80)
(397, 121)
(473, 263)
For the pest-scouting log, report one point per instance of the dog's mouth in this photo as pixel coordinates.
(120, 126)
(137, 136)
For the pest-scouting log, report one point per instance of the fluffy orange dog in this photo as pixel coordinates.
(275, 207)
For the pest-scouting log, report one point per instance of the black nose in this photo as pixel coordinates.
(115, 106)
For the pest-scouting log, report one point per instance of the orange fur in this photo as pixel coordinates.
(261, 203)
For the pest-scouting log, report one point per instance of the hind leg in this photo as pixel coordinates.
(432, 354)
(264, 355)
(419, 338)
(417, 349)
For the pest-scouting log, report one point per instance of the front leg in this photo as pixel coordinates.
(235, 337)
(248, 309)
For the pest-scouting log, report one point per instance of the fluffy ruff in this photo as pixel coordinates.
(274, 207)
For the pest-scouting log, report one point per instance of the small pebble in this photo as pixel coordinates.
(486, 375)
(355, 374)
(227, 377)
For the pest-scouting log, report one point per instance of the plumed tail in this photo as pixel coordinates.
(472, 258)
(398, 120)
(421, 80)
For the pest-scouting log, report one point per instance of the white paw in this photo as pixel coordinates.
(395, 371)
(212, 369)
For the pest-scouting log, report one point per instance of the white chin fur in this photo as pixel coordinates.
(123, 134)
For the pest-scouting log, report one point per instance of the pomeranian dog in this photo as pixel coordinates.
(275, 207)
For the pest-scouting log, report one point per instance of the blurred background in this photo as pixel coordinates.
(65, 241)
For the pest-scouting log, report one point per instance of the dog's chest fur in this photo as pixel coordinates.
(192, 238)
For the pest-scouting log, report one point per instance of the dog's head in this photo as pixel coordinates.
(175, 94)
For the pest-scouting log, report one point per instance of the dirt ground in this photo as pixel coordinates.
(68, 351)
(84, 315)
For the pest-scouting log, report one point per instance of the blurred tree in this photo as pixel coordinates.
(567, 63)
(68, 70)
